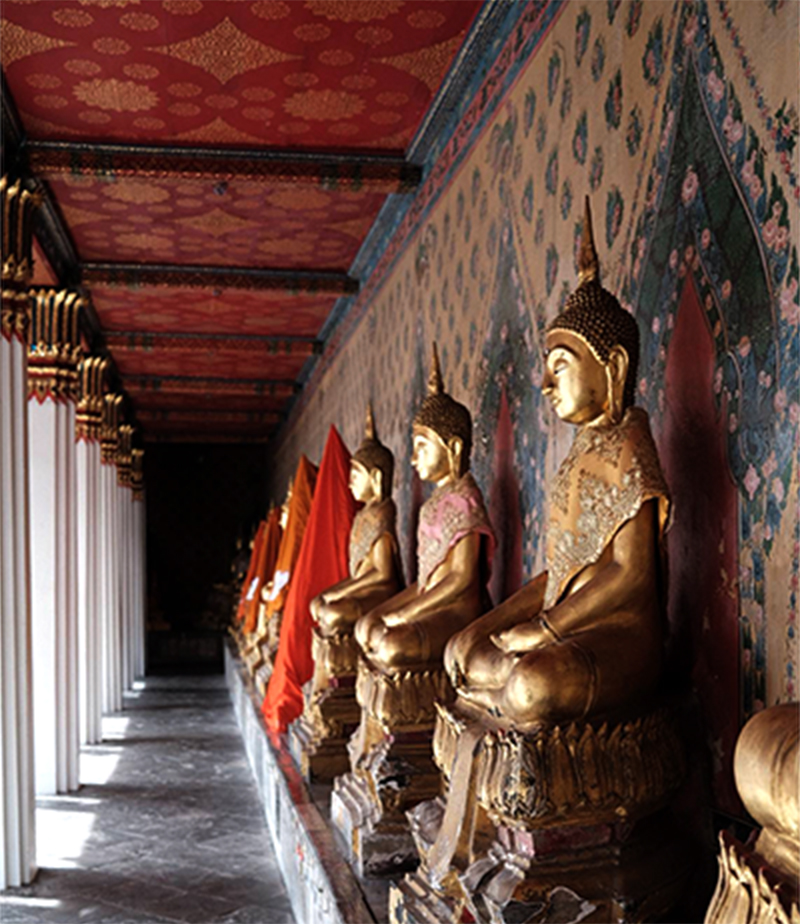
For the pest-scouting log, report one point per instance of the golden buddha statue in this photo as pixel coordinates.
(256, 649)
(557, 732)
(402, 642)
(331, 715)
(759, 883)
(236, 628)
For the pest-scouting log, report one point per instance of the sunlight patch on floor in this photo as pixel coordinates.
(114, 726)
(22, 901)
(61, 835)
(98, 764)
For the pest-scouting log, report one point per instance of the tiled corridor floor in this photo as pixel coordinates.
(166, 827)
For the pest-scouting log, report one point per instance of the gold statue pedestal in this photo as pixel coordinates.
(394, 768)
(759, 881)
(318, 739)
(260, 659)
(564, 823)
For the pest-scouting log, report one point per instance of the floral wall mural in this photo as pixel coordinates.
(676, 118)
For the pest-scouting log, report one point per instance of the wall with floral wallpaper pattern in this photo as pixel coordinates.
(679, 121)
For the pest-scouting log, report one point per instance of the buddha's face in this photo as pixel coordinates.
(361, 484)
(430, 455)
(575, 381)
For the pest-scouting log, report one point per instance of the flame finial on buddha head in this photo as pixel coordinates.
(373, 454)
(596, 316)
(444, 415)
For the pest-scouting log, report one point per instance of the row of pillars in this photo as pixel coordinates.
(72, 543)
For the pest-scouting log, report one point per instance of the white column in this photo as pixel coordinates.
(111, 633)
(141, 553)
(112, 555)
(69, 566)
(17, 832)
(52, 379)
(104, 529)
(126, 612)
(89, 590)
(17, 844)
(44, 602)
(139, 561)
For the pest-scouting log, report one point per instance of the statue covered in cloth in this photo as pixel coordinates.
(319, 738)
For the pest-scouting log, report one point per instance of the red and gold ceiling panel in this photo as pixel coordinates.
(211, 311)
(315, 74)
(201, 222)
(212, 363)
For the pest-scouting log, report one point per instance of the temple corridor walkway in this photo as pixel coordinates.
(166, 827)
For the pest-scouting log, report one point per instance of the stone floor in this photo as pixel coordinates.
(166, 827)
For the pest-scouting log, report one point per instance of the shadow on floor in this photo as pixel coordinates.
(167, 825)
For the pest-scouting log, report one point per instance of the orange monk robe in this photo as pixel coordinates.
(299, 509)
(268, 556)
(323, 562)
(251, 569)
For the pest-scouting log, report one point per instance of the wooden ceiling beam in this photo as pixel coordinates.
(204, 416)
(181, 436)
(146, 341)
(375, 172)
(184, 385)
(323, 282)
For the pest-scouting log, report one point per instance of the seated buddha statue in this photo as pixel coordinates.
(584, 638)
(557, 732)
(256, 642)
(403, 639)
(455, 546)
(331, 712)
(375, 571)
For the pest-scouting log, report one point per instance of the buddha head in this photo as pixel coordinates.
(371, 466)
(441, 433)
(592, 348)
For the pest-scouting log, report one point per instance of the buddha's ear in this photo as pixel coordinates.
(616, 376)
(456, 446)
(376, 478)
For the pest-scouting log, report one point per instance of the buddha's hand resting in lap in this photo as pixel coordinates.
(524, 637)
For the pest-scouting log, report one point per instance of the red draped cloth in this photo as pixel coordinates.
(257, 541)
(299, 510)
(267, 557)
(323, 561)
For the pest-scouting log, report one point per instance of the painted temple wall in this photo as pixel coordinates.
(680, 121)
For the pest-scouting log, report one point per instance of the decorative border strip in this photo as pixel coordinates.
(133, 275)
(184, 384)
(145, 341)
(382, 173)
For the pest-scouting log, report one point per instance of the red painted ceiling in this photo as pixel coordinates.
(316, 76)
(232, 364)
(243, 223)
(210, 311)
